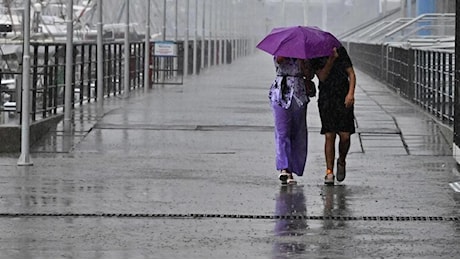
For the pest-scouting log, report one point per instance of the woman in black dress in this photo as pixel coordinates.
(336, 102)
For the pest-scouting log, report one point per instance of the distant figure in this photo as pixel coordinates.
(336, 100)
(289, 100)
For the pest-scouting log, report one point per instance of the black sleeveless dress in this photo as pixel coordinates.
(335, 117)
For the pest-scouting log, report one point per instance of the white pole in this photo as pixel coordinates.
(195, 35)
(176, 35)
(225, 31)
(283, 11)
(236, 29)
(187, 7)
(221, 33)
(306, 6)
(176, 21)
(127, 53)
(161, 76)
(210, 24)
(24, 159)
(68, 68)
(385, 4)
(203, 38)
(231, 29)
(409, 8)
(324, 15)
(214, 32)
(100, 57)
(147, 50)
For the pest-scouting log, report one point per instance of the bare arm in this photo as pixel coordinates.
(350, 98)
(324, 72)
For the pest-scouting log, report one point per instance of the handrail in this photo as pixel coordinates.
(416, 19)
(370, 23)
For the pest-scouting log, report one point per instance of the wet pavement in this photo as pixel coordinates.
(188, 172)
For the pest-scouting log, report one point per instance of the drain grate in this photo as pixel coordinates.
(262, 128)
(233, 216)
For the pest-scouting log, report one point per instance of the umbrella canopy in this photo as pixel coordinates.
(303, 42)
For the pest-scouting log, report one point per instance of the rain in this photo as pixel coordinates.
(154, 136)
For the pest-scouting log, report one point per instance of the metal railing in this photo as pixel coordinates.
(402, 29)
(423, 76)
(48, 74)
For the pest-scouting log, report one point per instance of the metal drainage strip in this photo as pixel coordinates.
(234, 216)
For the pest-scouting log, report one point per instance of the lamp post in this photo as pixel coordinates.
(306, 6)
(127, 52)
(215, 29)
(283, 11)
(164, 20)
(210, 31)
(68, 67)
(324, 15)
(195, 36)
(187, 11)
(176, 21)
(100, 57)
(147, 50)
(24, 159)
(203, 31)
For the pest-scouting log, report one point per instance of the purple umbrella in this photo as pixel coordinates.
(303, 42)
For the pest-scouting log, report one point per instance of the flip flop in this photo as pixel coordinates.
(291, 181)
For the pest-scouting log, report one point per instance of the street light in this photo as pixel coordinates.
(147, 50)
(100, 57)
(68, 68)
(127, 52)
(24, 159)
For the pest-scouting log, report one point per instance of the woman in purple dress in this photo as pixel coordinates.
(289, 100)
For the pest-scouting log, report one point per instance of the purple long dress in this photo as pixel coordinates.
(289, 103)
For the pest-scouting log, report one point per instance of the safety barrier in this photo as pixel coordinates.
(423, 76)
(48, 73)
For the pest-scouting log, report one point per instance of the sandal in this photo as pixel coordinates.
(291, 180)
(329, 178)
(284, 176)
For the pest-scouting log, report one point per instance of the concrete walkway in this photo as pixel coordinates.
(188, 172)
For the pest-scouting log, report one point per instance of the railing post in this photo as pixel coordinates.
(410, 75)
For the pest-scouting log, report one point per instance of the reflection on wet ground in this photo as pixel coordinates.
(293, 234)
(290, 202)
(335, 204)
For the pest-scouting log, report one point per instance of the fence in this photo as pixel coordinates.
(48, 73)
(424, 76)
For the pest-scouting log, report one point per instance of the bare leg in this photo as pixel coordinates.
(329, 150)
(344, 146)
